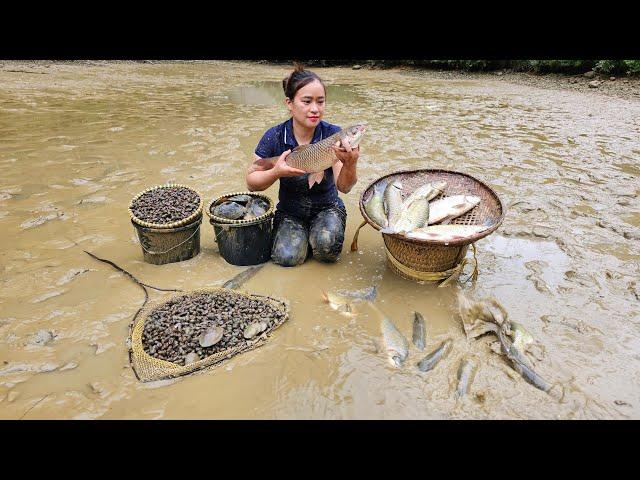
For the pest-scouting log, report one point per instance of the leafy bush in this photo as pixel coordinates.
(608, 67)
(633, 66)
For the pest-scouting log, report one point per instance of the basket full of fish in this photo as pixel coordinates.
(428, 218)
(242, 223)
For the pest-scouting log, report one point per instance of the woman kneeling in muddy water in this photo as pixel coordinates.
(305, 216)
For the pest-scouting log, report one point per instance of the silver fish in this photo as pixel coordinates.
(431, 360)
(340, 303)
(490, 316)
(427, 191)
(396, 345)
(242, 277)
(368, 293)
(418, 330)
(466, 372)
(374, 206)
(520, 363)
(393, 202)
(452, 207)
(445, 233)
(414, 216)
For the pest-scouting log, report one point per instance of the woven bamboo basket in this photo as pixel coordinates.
(179, 223)
(148, 368)
(434, 255)
(168, 242)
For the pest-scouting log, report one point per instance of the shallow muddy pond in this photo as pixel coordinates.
(81, 139)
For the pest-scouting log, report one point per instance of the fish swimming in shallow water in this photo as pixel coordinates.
(315, 158)
(340, 303)
(490, 316)
(242, 277)
(466, 372)
(418, 330)
(395, 343)
(368, 293)
(520, 363)
(431, 360)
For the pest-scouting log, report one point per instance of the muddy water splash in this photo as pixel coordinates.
(80, 140)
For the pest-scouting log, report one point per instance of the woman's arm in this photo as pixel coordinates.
(344, 170)
(259, 179)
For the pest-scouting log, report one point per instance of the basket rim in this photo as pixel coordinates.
(464, 241)
(227, 222)
(178, 223)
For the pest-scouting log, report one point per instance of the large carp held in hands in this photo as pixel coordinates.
(317, 157)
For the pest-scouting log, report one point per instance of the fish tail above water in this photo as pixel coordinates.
(520, 363)
(368, 293)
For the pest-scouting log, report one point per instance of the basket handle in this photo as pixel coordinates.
(172, 248)
(354, 244)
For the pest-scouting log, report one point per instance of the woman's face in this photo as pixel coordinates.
(307, 106)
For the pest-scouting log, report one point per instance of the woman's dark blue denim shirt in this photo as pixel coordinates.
(295, 197)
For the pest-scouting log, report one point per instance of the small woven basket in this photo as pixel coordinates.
(435, 255)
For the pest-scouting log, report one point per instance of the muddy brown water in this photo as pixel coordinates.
(79, 141)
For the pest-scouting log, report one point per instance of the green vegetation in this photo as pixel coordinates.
(604, 67)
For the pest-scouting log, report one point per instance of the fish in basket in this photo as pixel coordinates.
(428, 218)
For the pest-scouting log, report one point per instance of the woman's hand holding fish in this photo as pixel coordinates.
(345, 153)
(281, 169)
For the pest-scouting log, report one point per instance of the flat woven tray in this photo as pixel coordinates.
(148, 368)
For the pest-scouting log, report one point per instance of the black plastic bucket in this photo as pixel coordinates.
(168, 245)
(243, 242)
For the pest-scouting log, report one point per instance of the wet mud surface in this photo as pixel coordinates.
(81, 140)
